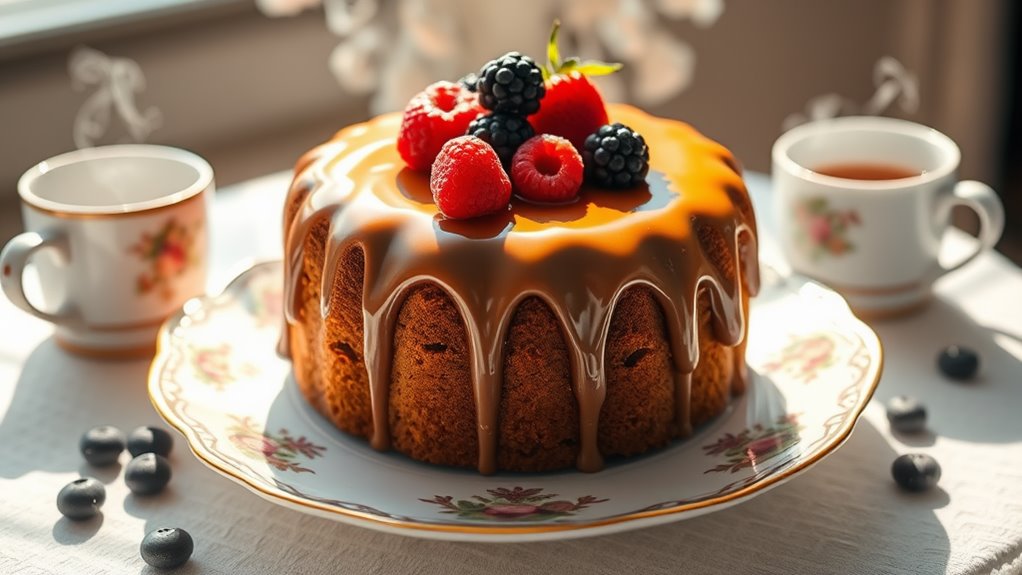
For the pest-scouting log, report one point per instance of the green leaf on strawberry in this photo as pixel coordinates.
(572, 107)
(555, 66)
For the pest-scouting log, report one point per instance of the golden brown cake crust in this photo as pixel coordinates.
(431, 393)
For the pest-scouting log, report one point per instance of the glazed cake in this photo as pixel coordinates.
(538, 338)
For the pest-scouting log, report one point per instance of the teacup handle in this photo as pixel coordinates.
(983, 200)
(13, 260)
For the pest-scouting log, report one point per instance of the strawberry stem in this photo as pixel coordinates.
(555, 66)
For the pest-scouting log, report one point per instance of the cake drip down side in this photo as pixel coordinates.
(686, 245)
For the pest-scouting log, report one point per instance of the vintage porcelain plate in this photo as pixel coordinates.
(218, 379)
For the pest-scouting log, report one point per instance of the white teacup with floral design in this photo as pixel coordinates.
(877, 241)
(117, 236)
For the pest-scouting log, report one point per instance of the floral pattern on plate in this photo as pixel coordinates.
(515, 504)
(755, 445)
(217, 366)
(804, 357)
(257, 429)
(280, 450)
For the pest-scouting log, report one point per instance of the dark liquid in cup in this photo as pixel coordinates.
(866, 171)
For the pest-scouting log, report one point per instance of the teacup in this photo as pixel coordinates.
(863, 204)
(118, 239)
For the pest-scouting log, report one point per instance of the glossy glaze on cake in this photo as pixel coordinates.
(690, 232)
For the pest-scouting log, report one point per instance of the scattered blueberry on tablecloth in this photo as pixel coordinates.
(147, 474)
(906, 414)
(958, 362)
(916, 471)
(102, 445)
(149, 439)
(81, 499)
(167, 547)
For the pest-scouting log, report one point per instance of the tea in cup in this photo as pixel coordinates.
(863, 204)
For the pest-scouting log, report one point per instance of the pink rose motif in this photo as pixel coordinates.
(510, 510)
(171, 260)
(762, 447)
(258, 444)
(819, 229)
(213, 364)
(558, 507)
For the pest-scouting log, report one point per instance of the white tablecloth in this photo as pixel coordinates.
(843, 516)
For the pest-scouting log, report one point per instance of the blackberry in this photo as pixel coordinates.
(469, 81)
(615, 156)
(504, 132)
(512, 83)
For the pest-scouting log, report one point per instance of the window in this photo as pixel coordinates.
(33, 20)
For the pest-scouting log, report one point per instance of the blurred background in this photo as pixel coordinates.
(251, 84)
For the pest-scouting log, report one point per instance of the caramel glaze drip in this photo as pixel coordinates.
(578, 258)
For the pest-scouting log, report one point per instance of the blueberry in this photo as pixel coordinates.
(147, 474)
(102, 445)
(149, 440)
(916, 471)
(958, 362)
(906, 414)
(81, 499)
(167, 547)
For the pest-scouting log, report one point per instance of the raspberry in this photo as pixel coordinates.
(505, 132)
(440, 112)
(547, 169)
(512, 83)
(467, 179)
(616, 156)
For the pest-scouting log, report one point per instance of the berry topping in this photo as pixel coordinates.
(505, 132)
(440, 112)
(468, 180)
(81, 499)
(147, 474)
(512, 83)
(616, 157)
(469, 81)
(167, 548)
(547, 169)
(102, 445)
(573, 107)
(958, 362)
(906, 414)
(916, 471)
(149, 440)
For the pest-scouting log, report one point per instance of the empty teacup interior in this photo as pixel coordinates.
(115, 179)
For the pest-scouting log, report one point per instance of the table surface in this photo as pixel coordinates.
(843, 516)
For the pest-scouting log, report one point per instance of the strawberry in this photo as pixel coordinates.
(572, 107)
